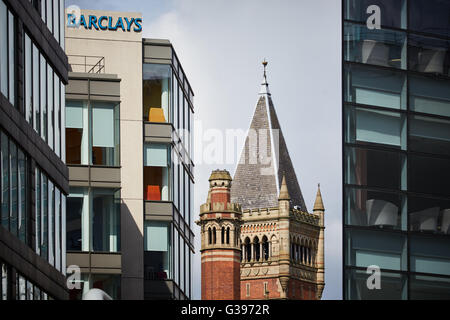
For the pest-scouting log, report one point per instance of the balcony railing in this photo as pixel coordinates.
(87, 64)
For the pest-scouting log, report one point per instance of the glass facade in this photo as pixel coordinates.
(52, 13)
(396, 142)
(168, 176)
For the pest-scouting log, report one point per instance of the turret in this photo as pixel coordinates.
(319, 210)
(284, 254)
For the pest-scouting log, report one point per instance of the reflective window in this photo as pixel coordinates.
(156, 172)
(43, 83)
(429, 95)
(365, 126)
(393, 12)
(51, 223)
(158, 250)
(429, 135)
(375, 209)
(384, 47)
(5, 181)
(429, 288)
(44, 217)
(57, 116)
(369, 86)
(50, 110)
(28, 80)
(430, 255)
(430, 16)
(156, 90)
(77, 134)
(105, 133)
(365, 248)
(394, 286)
(7, 53)
(22, 198)
(38, 208)
(429, 175)
(428, 55)
(78, 220)
(36, 92)
(105, 220)
(13, 223)
(57, 229)
(375, 168)
(429, 215)
(4, 283)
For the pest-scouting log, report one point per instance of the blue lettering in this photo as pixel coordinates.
(138, 23)
(71, 20)
(101, 26)
(129, 23)
(93, 22)
(83, 21)
(110, 27)
(119, 24)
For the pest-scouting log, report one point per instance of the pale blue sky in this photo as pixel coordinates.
(221, 45)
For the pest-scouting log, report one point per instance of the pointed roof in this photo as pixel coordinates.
(265, 160)
(318, 204)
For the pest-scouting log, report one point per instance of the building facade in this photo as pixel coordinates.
(34, 178)
(130, 160)
(281, 245)
(396, 148)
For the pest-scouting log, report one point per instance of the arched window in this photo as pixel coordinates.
(214, 235)
(248, 249)
(223, 235)
(209, 236)
(256, 249)
(228, 235)
(265, 248)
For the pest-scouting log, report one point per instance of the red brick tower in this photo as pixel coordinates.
(220, 222)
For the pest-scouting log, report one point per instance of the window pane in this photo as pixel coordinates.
(50, 15)
(28, 81)
(77, 220)
(428, 175)
(4, 271)
(156, 85)
(12, 63)
(156, 172)
(365, 248)
(429, 135)
(63, 233)
(5, 180)
(50, 107)
(108, 283)
(51, 223)
(429, 215)
(375, 209)
(393, 11)
(57, 116)
(393, 286)
(105, 220)
(44, 219)
(375, 168)
(429, 95)
(77, 138)
(429, 288)
(43, 81)
(56, 19)
(22, 218)
(375, 87)
(38, 205)
(104, 135)
(61, 24)
(385, 48)
(36, 92)
(63, 121)
(175, 102)
(428, 55)
(14, 189)
(429, 16)
(430, 255)
(4, 49)
(366, 126)
(57, 229)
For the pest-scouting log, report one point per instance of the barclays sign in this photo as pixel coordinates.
(77, 20)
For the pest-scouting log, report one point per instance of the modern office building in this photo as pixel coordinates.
(129, 153)
(396, 148)
(34, 178)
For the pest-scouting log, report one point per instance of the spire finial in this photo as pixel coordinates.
(318, 204)
(284, 192)
(265, 85)
(265, 63)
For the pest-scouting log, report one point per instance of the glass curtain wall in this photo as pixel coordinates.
(396, 125)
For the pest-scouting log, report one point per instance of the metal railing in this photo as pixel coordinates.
(87, 64)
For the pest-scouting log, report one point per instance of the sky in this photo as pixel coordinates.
(221, 45)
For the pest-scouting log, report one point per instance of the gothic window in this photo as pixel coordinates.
(209, 236)
(265, 247)
(228, 235)
(256, 248)
(214, 235)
